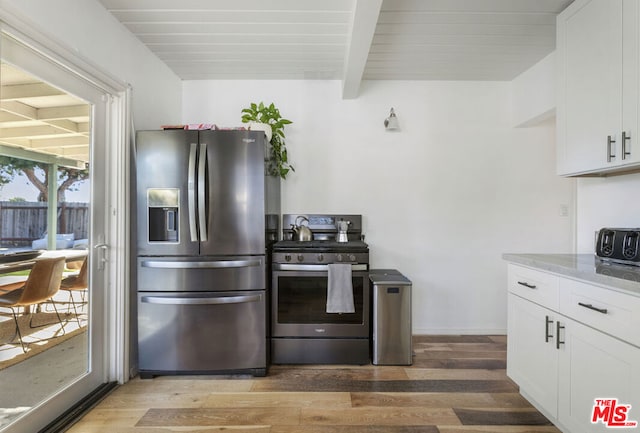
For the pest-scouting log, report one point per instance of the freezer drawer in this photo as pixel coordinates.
(201, 274)
(206, 332)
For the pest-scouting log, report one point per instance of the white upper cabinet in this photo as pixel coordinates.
(598, 92)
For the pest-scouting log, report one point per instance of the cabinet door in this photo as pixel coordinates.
(593, 365)
(589, 108)
(630, 146)
(532, 358)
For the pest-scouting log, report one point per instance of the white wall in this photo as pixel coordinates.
(86, 28)
(534, 93)
(442, 199)
(606, 202)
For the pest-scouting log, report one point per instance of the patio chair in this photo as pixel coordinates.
(77, 283)
(41, 285)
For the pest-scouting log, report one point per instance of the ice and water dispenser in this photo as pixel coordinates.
(163, 207)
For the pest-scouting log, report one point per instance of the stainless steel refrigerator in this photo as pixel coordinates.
(205, 209)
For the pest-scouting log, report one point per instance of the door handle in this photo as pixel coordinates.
(219, 264)
(314, 268)
(547, 336)
(202, 192)
(625, 137)
(191, 193)
(524, 283)
(558, 341)
(172, 300)
(591, 307)
(102, 247)
(610, 142)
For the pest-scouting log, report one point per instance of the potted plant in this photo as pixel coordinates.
(270, 115)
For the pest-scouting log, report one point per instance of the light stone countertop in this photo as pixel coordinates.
(585, 267)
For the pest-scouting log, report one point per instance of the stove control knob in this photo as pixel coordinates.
(339, 257)
(287, 257)
(300, 258)
(320, 257)
(352, 258)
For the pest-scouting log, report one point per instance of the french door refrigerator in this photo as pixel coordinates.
(203, 207)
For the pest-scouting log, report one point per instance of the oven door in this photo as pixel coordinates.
(299, 304)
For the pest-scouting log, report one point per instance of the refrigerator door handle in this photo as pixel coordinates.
(164, 264)
(202, 193)
(170, 300)
(191, 193)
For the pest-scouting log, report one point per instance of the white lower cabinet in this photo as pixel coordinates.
(532, 359)
(563, 365)
(593, 365)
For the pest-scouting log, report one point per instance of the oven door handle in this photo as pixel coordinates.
(314, 268)
(172, 300)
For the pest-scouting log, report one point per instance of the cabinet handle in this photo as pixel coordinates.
(547, 336)
(524, 283)
(625, 137)
(591, 307)
(558, 328)
(610, 141)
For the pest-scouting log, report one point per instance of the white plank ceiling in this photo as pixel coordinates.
(350, 40)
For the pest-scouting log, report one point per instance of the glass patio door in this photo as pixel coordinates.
(82, 367)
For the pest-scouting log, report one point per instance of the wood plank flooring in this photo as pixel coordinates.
(457, 384)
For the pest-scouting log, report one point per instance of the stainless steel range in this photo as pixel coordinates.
(302, 329)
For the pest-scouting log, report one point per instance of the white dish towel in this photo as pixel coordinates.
(340, 289)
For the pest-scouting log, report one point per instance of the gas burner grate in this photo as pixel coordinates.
(351, 246)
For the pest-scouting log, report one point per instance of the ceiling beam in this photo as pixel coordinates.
(44, 143)
(363, 26)
(35, 90)
(70, 126)
(10, 117)
(19, 109)
(44, 131)
(65, 112)
(44, 114)
(40, 157)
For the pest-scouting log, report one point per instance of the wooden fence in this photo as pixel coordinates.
(23, 222)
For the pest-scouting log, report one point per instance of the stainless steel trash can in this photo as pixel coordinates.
(391, 321)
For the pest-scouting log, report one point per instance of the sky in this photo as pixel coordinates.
(21, 187)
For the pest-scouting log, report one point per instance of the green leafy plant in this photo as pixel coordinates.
(269, 114)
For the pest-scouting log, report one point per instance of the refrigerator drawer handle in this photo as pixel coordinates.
(201, 265)
(168, 300)
(191, 193)
(202, 192)
(317, 268)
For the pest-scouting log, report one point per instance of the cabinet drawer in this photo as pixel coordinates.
(612, 312)
(536, 286)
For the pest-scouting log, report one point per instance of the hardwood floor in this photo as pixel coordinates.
(457, 384)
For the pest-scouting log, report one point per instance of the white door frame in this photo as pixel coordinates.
(115, 239)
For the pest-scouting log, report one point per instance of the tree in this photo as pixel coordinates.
(38, 174)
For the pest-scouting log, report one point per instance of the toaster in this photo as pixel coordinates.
(619, 245)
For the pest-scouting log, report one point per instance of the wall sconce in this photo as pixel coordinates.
(391, 122)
